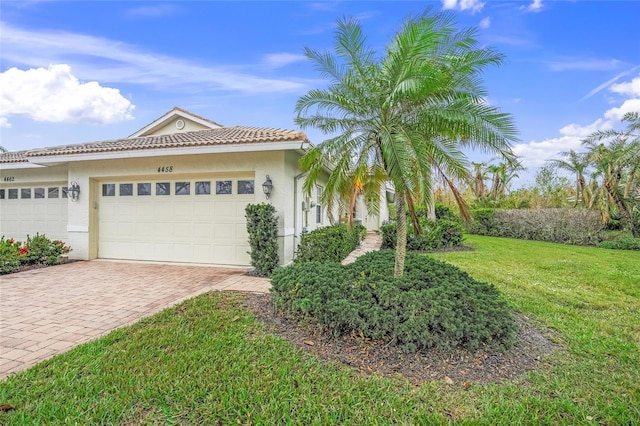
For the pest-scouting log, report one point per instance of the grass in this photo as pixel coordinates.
(208, 361)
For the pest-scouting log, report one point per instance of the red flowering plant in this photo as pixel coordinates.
(9, 255)
(41, 250)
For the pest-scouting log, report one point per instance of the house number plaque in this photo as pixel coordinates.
(9, 178)
(165, 169)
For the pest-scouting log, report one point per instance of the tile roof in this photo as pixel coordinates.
(220, 136)
(13, 157)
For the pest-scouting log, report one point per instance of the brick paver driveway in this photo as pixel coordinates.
(47, 311)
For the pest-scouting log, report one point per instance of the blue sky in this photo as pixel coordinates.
(82, 71)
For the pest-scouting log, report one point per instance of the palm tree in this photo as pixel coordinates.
(618, 166)
(402, 117)
(2, 149)
(503, 174)
(575, 163)
(478, 177)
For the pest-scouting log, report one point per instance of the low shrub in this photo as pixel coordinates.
(483, 222)
(433, 305)
(262, 227)
(628, 243)
(329, 243)
(40, 249)
(37, 250)
(566, 226)
(435, 235)
(9, 255)
(445, 212)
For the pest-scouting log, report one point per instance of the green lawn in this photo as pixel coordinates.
(208, 361)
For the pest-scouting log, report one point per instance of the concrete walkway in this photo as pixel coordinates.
(44, 312)
(371, 242)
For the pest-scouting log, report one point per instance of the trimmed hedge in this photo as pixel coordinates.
(566, 226)
(433, 305)
(330, 243)
(435, 235)
(262, 227)
(628, 243)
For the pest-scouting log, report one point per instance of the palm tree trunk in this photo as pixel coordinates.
(575, 203)
(401, 235)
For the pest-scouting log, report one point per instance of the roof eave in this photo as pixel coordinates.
(145, 153)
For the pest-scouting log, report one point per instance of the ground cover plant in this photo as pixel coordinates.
(433, 305)
(209, 361)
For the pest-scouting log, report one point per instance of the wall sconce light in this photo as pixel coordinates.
(267, 187)
(74, 191)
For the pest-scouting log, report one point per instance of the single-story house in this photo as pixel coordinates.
(174, 191)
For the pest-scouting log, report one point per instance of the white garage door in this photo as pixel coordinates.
(199, 220)
(28, 210)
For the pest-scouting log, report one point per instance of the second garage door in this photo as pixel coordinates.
(199, 220)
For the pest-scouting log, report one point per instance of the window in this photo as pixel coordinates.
(318, 204)
(1, 194)
(108, 189)
(183, 188)
(126, 189)
(203, 188)
(223, 187)
(245, 186)
(163, 188)
(65, 192)
(144, 189)
(38, 193)
(54, 192)
(13, 193)
(25, 193)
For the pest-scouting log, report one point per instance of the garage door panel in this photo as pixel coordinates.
(199, 228)
(224, 232)
(162, 231)
(225, 209)
(27, 216)
(226, 253)
(242, 255)
(203, 210)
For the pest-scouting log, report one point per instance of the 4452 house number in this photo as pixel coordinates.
(165, 169)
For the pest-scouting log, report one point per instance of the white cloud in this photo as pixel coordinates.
(628, 88)
(4, 122)
(105, 60)
(279, 60)
(534, 153)
(54, 94)
(609, 82)
(630, 105)
(535, 6)
(485, 23)
(473, 5)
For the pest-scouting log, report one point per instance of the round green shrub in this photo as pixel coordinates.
(433, 305)
(435, 234)
(329, 243)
